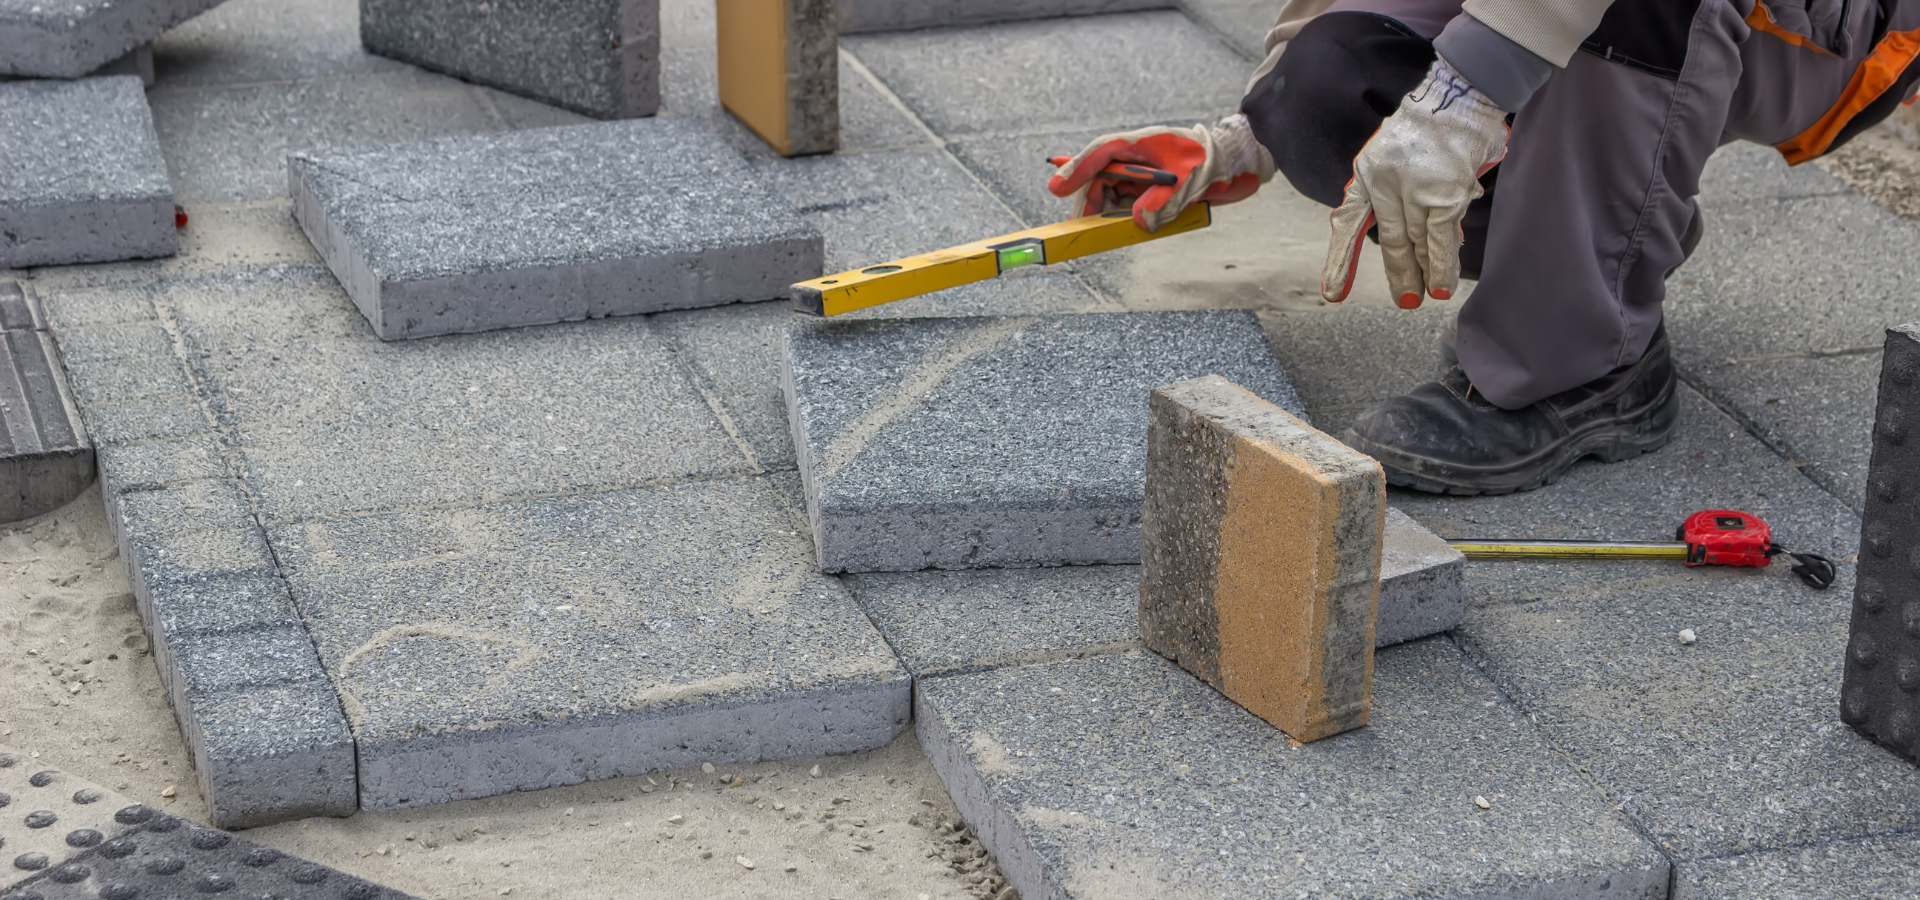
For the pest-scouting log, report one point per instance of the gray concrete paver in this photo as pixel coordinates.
(639, 630)
(84, 180)
(547, 225)
(1122, 776)
(978, 441)
(1871, 869)
(1816, 411)
(863, 16)
(248, 41)
(1121, 70)
(72, 38)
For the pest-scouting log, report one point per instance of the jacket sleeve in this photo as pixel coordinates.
(1293, 17)
(1552, 29)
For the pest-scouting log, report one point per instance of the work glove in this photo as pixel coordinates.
(1220, 164)
(1414, 178)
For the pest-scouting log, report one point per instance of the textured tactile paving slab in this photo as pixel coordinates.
(46, 455)
(900, 15)
(482, 650)
(83, 179)
(547, 225)
(1883, 651)
(70, 38)
(598, 57)
(1122, 776)
(62, 838)
(970, 442)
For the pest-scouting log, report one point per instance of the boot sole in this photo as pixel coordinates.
(1610, 441)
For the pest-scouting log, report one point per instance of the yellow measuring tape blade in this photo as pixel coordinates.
(832, 295)
(1567, 550)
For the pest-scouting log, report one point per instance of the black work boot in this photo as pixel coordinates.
(1445, 438)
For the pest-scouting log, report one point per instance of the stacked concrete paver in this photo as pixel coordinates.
(547, 225)
(83, 179)
(71, 38)
(1726, 757)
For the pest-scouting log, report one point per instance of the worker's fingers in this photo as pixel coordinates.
(1157, 206)
(1079, 171)
(1398, 252)
(1442, 264)
(1350, 221)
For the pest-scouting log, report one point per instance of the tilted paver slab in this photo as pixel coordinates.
(1883, 655)
(481, 650)
(71, 38)
(46, 455)
(598, 57)
(547, 225)
(859, 16)
(1122, 776)
(993, 441)
(83, 180)
(67, 839)
(1260, 556)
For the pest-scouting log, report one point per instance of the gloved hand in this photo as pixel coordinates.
(1220, 164)
(1414, 178)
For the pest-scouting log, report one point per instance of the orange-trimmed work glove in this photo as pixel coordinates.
(1414, 178)
(1220, 164)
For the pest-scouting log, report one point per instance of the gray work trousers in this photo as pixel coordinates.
(1593, 196)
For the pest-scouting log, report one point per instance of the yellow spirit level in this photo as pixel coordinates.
(981, 260)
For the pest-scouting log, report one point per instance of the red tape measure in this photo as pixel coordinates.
(1726, 537)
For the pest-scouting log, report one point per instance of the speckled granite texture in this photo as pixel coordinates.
(596, 57)
(70, 38)
(547, 225)
(83, 179)
(994, 441)
(900, 15)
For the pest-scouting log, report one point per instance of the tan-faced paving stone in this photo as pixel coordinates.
(481, 650)
(67, 839)
(1122, 776)
(598, 57)
(73, 38)
(84, 180)
(994, 441)
(1260, 554)
(547, 225)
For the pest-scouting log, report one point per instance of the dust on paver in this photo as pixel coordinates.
(547, 225)
(994, 441)
(1122, 776)
(46, 456)
(68, 839)
(483, 650)
(83, 179)
(597, 57)
(70, 38)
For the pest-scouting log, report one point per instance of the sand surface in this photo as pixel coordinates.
(79, 690)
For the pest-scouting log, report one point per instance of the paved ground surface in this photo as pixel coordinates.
(1724, 759)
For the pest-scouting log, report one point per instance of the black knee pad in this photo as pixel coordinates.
(1342, 74)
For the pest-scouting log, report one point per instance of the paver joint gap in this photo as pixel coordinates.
(1753, 430)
